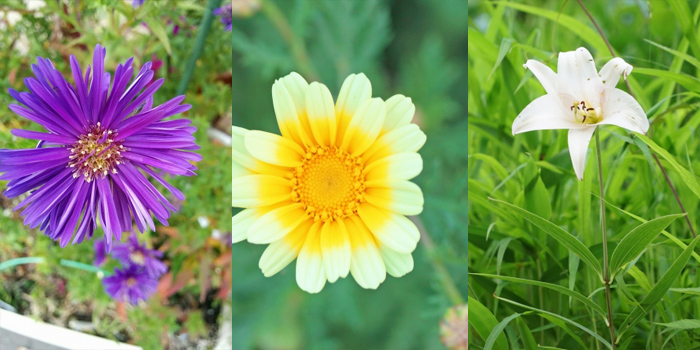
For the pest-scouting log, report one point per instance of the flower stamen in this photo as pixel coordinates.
(95, 154)
(329, 183)
(584, 114)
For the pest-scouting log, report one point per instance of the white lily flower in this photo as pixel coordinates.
(579, 98)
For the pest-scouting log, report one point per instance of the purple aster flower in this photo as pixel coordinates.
(132, 253)
(137, 3)
(104, 140)
(226, 14)
(100, 252)
(131, 284)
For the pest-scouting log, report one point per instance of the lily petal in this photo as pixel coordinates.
(611, 71)
(544, 74)
(578, 146)
(621, 109)
(545, 113)
(578, 76)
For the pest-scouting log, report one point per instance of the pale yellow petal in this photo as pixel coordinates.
(282, 252)
(276, 224)
(336, 250)
(273, 149)
(366, 264)
(408, 138)
(241, 222)
(321, 114)
(285, 109)
(355, 91)
(397, 264)
(393, 230)
(310, 274)
(297, 87)
(259, 190)
(399, 113)
(242, 157)
(364, 127)
(400, 166)
(401, 197)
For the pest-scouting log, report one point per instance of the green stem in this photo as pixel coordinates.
(606, 267)
(39, 260)
(198, 45)
(295, 43)
(446, 281)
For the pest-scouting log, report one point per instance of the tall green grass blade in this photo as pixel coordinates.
(526, 335)
(556, 232)
(484, 322)
(659, 290)
(555, 287)
(498, 331)
(687, 177)
(637, 240)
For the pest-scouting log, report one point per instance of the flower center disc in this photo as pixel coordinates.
(130, 282)
(584, 113)
(137, 258)
(96, 153)
(329, 183)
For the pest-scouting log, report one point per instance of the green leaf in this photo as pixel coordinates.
(537, 198)
(159, 32)
(556, 232)
(682, 55)
(502, 52)
(576, 324)
(526, 335)
(681, 10)
(483, 322)
(637, 240)
(555, 287)
(656, 293)
(583, 30)
(497, 331)
(681, 324)
(687, 177)
(687, 81)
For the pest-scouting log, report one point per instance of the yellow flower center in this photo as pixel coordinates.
(584, 113)
(137, 258)
(96, 153)
(329, 183)
(130, 282)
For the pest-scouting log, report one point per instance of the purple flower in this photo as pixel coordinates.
(137, 3)
(226, 14)
(100, 252)
(132, 253)
(104, 140)
(131, 284)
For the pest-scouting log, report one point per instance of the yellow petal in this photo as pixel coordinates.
(273, 149)
(401, 197)
(393, 230)
(366, 264)
(364, 127)
(239, 170)
(408, 138)
(400, 166)
(355, 91)
(399, 113)
(242, 157)
(240, 223)
(259, 190)
(336, 250)
(292, 89)
(282, 252)
(397, 264)
(321, 114)
(276, 224)
(311, 276)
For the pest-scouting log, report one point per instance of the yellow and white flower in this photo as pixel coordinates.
(333, 190)
(580, 98)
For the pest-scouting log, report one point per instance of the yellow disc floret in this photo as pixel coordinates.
(96, 153)
(329, 183)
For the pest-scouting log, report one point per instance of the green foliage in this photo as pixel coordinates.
(414, 48)
(544, 264)
(61, 29)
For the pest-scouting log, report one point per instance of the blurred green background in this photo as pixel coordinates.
(416, 48)
(196, 245)
(660, 40)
